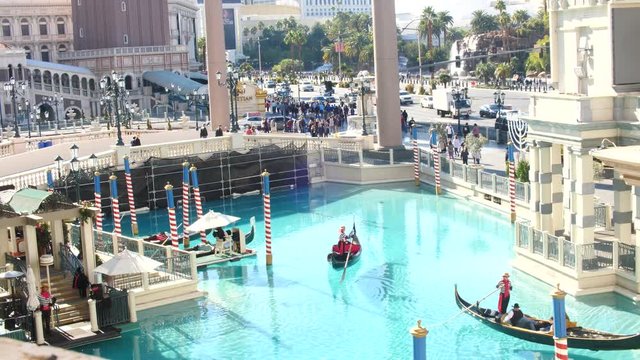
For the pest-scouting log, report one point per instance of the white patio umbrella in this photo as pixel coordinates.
(11, 276)
(212, 220)
(32, 301)
(127, 262)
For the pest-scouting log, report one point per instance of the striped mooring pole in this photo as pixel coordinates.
(97, 202)
(560, 325)
(266, 198)
(115, 205)
(197, 198)
(512, 180)
(436, 159)
(132, 202)
(416, 155)
(185, 204)
(419, 335)
(49, 180)
(171, 207)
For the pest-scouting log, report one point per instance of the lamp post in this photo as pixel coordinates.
(15, 89)
(59, 161)
(75, 167)
(176, 90)
(24, 108)
(74, 150)
(56, 99)
(365, 88)
(231, 82)
(419, 45)
(113, 88)
(498, 98)
(196, 99)
(458, 96)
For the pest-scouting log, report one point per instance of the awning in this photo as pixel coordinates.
(624, 160)
(198, 76)
(166, 78)
(28, 200)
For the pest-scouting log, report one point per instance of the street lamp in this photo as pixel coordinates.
(196, 99)
(15, 89)
(93, 161)
(458, 96)
(113, 88)
(365, 88)
(75, 167)
(59, 161)
(74, 151)
(419, 45)
(24, 107)
(231, 82)
(56, 99)
(176, 90)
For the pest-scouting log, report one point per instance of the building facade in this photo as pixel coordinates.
(183, 16)
(571, 237)
(43, 28)
(324, 9)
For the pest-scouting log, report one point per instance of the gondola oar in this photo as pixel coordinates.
(346, 263)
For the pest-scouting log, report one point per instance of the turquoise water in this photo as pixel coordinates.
(416, 247)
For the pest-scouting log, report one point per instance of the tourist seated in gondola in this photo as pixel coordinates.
(341, 246)
(517, 318)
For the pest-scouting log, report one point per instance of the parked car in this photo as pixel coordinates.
(306, 86)
(281, 121)
(490, 110)
(330, 99)
(318, 98)
(405, 98)
(502, 122)
(350, 98)
(250, 121)
(271, 84)
(427, 102)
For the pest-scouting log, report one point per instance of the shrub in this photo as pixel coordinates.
(422, 91)
(522, 171)
(409, 88)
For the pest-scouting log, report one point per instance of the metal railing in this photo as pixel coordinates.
(569, 254)
(600, 212)
(18, 264)
(538, 246)
(627, 257)
(552, 247)
(68, 261)
(523, 235)
(113, 308)
(18, 328)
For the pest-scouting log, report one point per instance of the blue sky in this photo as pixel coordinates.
(460, 9)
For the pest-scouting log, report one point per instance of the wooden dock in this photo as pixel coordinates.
(222, 258)
(80, 334)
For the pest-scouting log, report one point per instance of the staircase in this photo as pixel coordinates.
(71, 307)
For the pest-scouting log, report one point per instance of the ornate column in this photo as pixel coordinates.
(88, 248)
(582, 201)
(567, 185)
(385, 53)
(216, 61)
(546, 191)
(636, 207)
(4, 244)
(553, 43)
(622, 214)
(57, 240)
(31, 248)
(534, 170)
(556, 187)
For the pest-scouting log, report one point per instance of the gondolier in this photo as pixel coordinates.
(345, 248)
(505, 293)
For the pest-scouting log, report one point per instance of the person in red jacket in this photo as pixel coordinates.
(505, 293)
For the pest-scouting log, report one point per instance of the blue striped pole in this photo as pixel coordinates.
(419, 334)
(416, 155)
(49, 180)
(115, 204)
(512, 181)
(97, 199)
(436, 159)
(171, 207)
(130, 197)
(185, 204)
(560, 325)
(197, 199)
(266, 198)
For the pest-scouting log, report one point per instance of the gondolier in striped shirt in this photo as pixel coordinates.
(505, 293)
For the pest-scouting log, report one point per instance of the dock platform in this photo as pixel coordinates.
(222, 258)
(80, 334)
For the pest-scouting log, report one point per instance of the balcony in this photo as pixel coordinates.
(83, 54)
(575, 109)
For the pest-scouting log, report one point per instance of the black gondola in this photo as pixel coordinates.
(338, 260)
(577, 337)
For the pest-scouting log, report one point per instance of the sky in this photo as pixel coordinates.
(460, 9)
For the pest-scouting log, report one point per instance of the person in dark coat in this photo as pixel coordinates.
(204, 132)
(219, 131)
(464, 154)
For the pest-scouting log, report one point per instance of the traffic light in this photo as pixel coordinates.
(458, 61)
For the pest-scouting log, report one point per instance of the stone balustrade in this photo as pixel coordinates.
(7, 148)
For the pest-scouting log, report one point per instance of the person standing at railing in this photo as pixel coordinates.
(45, 307)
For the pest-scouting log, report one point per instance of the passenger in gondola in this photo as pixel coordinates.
(505, 293)
(341, 247)
(517, 318)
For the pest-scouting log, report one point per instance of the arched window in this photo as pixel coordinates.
(81, 32)
(92, 85)
(6, 28)
(56, 82)
(27, 52)
(123, 6)
(128, 82)
(75, 82)
(61, 26)
(62, 48)
(44, 28)
(46, 77)
(125, 39)
(44, 53)
(24, 27)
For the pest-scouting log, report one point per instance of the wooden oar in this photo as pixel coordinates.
(346, 263)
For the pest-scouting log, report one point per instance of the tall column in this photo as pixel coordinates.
(583, 198)
(622, 209)
(88, 249)
(4, 244)
(57, 239)
(216, 61)
(31, 248)
(556, 187)
(546, 191)
(567, 176)
(636, 207)
(534, 170)
(553, 45)
(385, 53)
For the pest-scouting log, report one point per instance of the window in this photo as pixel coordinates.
(81, 32)
(43, 26)
(24, 27)
(123, 6)
(27, 52)
(44, 53)
(62, 48)
(125, 39)
(61, 26)
(6, 28)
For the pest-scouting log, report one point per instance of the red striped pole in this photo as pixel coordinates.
(115, 205)
(512, 182)
(416, 156)
(171, 207)
(97, 200)
(266, 197)
(560, 325)
(197, 198)
(132, 203)
(185, 204)
(436, 166)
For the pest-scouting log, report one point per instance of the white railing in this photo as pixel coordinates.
(180, 148)
(7, 148)
(121, 51)
(32, 144)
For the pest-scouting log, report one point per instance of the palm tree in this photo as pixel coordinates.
(481, 22)
(427, 19)
(502, 72)
(504, 19)
(446, 21)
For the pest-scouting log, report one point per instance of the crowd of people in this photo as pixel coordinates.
(453, 144)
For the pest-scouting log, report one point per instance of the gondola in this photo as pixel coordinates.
(338, 260)
(578, 337)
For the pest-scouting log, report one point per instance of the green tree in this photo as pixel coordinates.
(445, 21)
(482, 22)
(504, 20)
(427, 20)
(485, 71)
(502, 72)
(444, 78)
(201, 46)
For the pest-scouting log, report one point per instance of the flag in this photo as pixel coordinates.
(339, 46)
